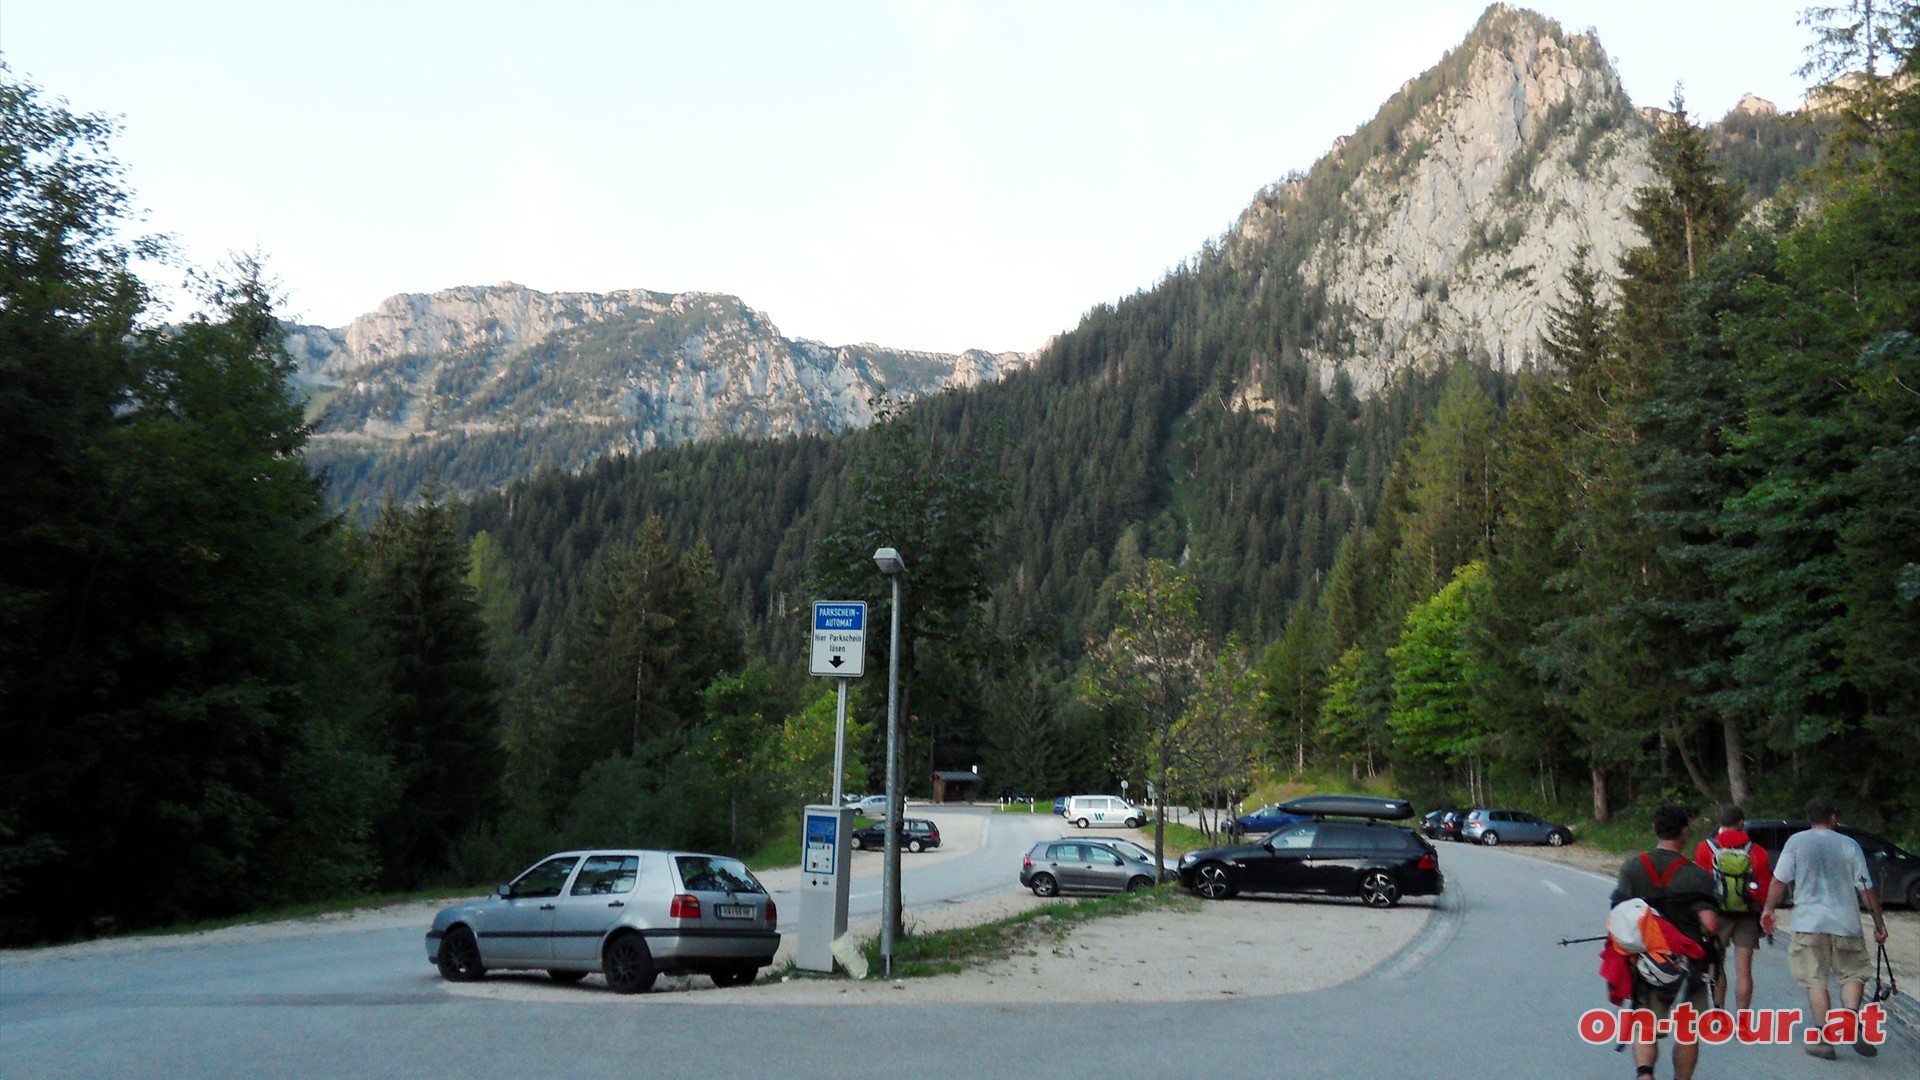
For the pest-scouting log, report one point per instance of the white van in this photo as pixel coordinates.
(1089, 810)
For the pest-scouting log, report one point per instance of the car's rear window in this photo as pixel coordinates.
(713, 873)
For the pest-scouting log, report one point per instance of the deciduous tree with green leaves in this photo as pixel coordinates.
(1150, 665)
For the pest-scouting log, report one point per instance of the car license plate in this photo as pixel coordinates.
(734, 911)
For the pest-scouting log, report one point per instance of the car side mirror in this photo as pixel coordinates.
(1268, 844)
(505, 891)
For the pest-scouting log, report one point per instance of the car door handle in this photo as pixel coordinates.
(616, 903)
(546, 907)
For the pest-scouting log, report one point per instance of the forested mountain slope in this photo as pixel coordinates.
(1216, 417)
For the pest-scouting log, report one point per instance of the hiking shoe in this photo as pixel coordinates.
(1822, 1051)
(1864, 1048)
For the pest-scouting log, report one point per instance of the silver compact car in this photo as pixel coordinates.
(627, 914)
(1056, 866)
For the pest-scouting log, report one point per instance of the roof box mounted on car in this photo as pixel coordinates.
(1365, 806)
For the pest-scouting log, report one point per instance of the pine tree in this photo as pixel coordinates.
(445, 720)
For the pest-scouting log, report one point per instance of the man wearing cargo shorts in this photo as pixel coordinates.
(1829, 876)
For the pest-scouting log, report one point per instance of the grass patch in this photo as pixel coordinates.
(782, 849)
(945, 952)
(1026, 808)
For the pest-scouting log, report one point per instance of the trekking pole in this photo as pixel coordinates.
(1582, 940)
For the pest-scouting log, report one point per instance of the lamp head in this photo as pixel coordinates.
(889, 562)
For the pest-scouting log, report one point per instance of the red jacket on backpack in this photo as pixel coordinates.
(1733, 838)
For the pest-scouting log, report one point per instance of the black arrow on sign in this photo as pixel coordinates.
(836, 661)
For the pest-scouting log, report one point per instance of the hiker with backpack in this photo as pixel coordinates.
(1683, 894)
(1830, 880)
(1740, 879)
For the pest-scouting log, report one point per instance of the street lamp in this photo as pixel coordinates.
(895, 568)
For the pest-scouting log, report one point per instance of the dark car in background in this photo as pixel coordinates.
(1262, 821)
(1896, 871)
(916, 834)
(1452, 822)
(1066, 865)
(1346, 848)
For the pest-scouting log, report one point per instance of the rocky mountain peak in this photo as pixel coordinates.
(526, 379)
(1444, 227)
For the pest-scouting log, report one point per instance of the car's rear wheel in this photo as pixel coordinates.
(1044, 885)
(1913, 895)
(738, 975)
(916, 846)
(1378, 889)
(1491, 839)
(628, 965)
(1139, 884)
(565, 976)
(1134, 822)
(857, 845)
(1556, 838)
(459, 959)
(1213, 881)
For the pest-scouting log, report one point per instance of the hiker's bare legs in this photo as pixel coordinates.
(1743, 979)
(1850, 994)
(1685, 1055)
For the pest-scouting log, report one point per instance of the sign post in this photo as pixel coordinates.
(839, 652)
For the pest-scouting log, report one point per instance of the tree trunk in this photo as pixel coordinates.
(1736, 763)
(1599, 794)
(1693, 768)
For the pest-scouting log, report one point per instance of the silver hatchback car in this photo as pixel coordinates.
(628, 914)
(1056, 866)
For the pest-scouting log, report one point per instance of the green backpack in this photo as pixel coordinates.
(1733, 877)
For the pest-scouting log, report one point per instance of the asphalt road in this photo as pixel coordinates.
(1484, 991)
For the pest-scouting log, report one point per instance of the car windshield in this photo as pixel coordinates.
(1296, 837)
(711, 873)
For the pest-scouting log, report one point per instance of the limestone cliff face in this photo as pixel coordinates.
(1460, 208)
(600, 373)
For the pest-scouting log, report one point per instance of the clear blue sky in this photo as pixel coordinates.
(918, 174)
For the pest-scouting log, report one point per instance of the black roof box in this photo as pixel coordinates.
(1365, 806)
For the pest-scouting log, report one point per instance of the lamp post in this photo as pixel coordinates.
(895, 568)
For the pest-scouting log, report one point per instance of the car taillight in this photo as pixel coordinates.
(1429, 862)
(1026, 862)
(773, 914)
(685, 906)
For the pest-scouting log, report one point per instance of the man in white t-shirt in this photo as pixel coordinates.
(1830, 880)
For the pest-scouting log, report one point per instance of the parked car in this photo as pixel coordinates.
(1060, 805)
(1496, 827)
(1430, 826)
(1365, 856)
(1053, 867)
(1451, 824)
(873, 806)
(916, 834)
(1896, 872)
(628, 914)
(1262, 821)
(1135, 850)
(1087, 811)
